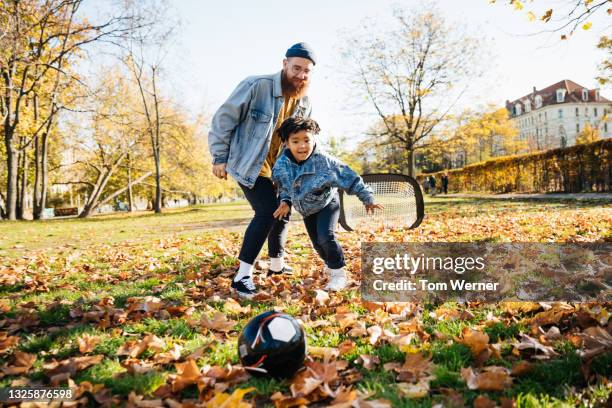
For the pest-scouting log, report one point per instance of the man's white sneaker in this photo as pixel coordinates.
(337, 280)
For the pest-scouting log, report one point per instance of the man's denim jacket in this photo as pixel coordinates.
(311, 185)
(241, 130)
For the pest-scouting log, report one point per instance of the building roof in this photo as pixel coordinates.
(549, 95)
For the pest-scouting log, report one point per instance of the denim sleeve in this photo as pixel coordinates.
(279, 177)
(226, 119)
(351, 182)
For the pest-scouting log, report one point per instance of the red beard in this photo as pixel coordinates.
(293, 88)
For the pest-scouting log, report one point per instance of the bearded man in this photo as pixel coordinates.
(244, 143)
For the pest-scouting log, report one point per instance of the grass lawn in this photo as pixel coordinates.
(123, 304)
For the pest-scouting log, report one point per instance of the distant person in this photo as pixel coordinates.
(426, 185)
(432, 183)
(445, 183)
(244, 143)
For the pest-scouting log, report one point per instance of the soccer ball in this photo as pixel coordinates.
(272, 344)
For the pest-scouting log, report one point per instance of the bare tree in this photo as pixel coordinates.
(412, 73)
(145, 50)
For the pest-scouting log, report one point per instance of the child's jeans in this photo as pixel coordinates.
(321, 228)
(264, 201)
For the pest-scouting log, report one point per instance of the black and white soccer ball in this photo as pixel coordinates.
(272, 344)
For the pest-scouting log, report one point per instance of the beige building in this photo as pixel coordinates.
(553, 117)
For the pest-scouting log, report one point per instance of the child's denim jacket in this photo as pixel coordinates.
(311, 185)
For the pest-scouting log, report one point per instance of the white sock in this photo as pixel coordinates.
(245, 270)
(277, 264)
(339, 271)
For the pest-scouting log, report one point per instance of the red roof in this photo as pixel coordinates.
(549, 95)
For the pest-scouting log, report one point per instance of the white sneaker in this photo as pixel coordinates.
(337, 280)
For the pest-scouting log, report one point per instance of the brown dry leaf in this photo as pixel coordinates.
(231, 306)
(368, 361)
(493, 379)
(233, 400)
(595, 340)
(482, 401)
(22, 362)
(529, 343)
(514, 308)
(284, 401)
(219, 322)
(71, 366)
(188, 373)
(345, 397)
(415, 367)
(325, 353)
(6, 341)
(169, 356)
(346, 347)
(140, 402)
(134, 348)
(147, 304)
(87, 343)
(521, 367)
(419, 389)
(477, 341)
(375, 332)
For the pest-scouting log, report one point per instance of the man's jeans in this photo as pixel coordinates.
(264, 201)
(321, 228)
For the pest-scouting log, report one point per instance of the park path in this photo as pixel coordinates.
(535, 196)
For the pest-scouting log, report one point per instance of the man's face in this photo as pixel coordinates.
(297, 71)
(301, 144)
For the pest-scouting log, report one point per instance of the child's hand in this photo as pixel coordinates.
(282, 210)
(370, 207)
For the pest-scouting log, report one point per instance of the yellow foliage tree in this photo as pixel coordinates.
(588, 134)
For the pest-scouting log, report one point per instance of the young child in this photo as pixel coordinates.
(308, 180)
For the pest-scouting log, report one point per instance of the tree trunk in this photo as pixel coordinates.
(157, 149)
(44, 173)
(410, 163)
(11, 177)
(22, 204)
(93, 199)
(37, 211)
(129, 185)
(158, 189)
(20, 193)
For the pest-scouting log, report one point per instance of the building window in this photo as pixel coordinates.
(527, 104)
(606, 127)
(563, 141)
(597, 94)
(586, 111)
(538, 101)
(577, 112)
(545, 115)
(517, 109)
(577, 127)
(560, 95)
(560, 113)
(585, 95)
(595, 112)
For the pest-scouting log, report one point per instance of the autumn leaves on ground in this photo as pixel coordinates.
(147, 321)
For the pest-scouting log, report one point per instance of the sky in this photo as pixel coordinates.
(218, 43)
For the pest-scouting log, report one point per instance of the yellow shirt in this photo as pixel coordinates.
(285, 112)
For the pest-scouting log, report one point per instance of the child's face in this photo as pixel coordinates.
(301, 144)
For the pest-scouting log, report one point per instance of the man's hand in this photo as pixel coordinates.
(282, 210)
(370, 207)
(219, 170)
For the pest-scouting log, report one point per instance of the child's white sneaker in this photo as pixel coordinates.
(337, 280)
